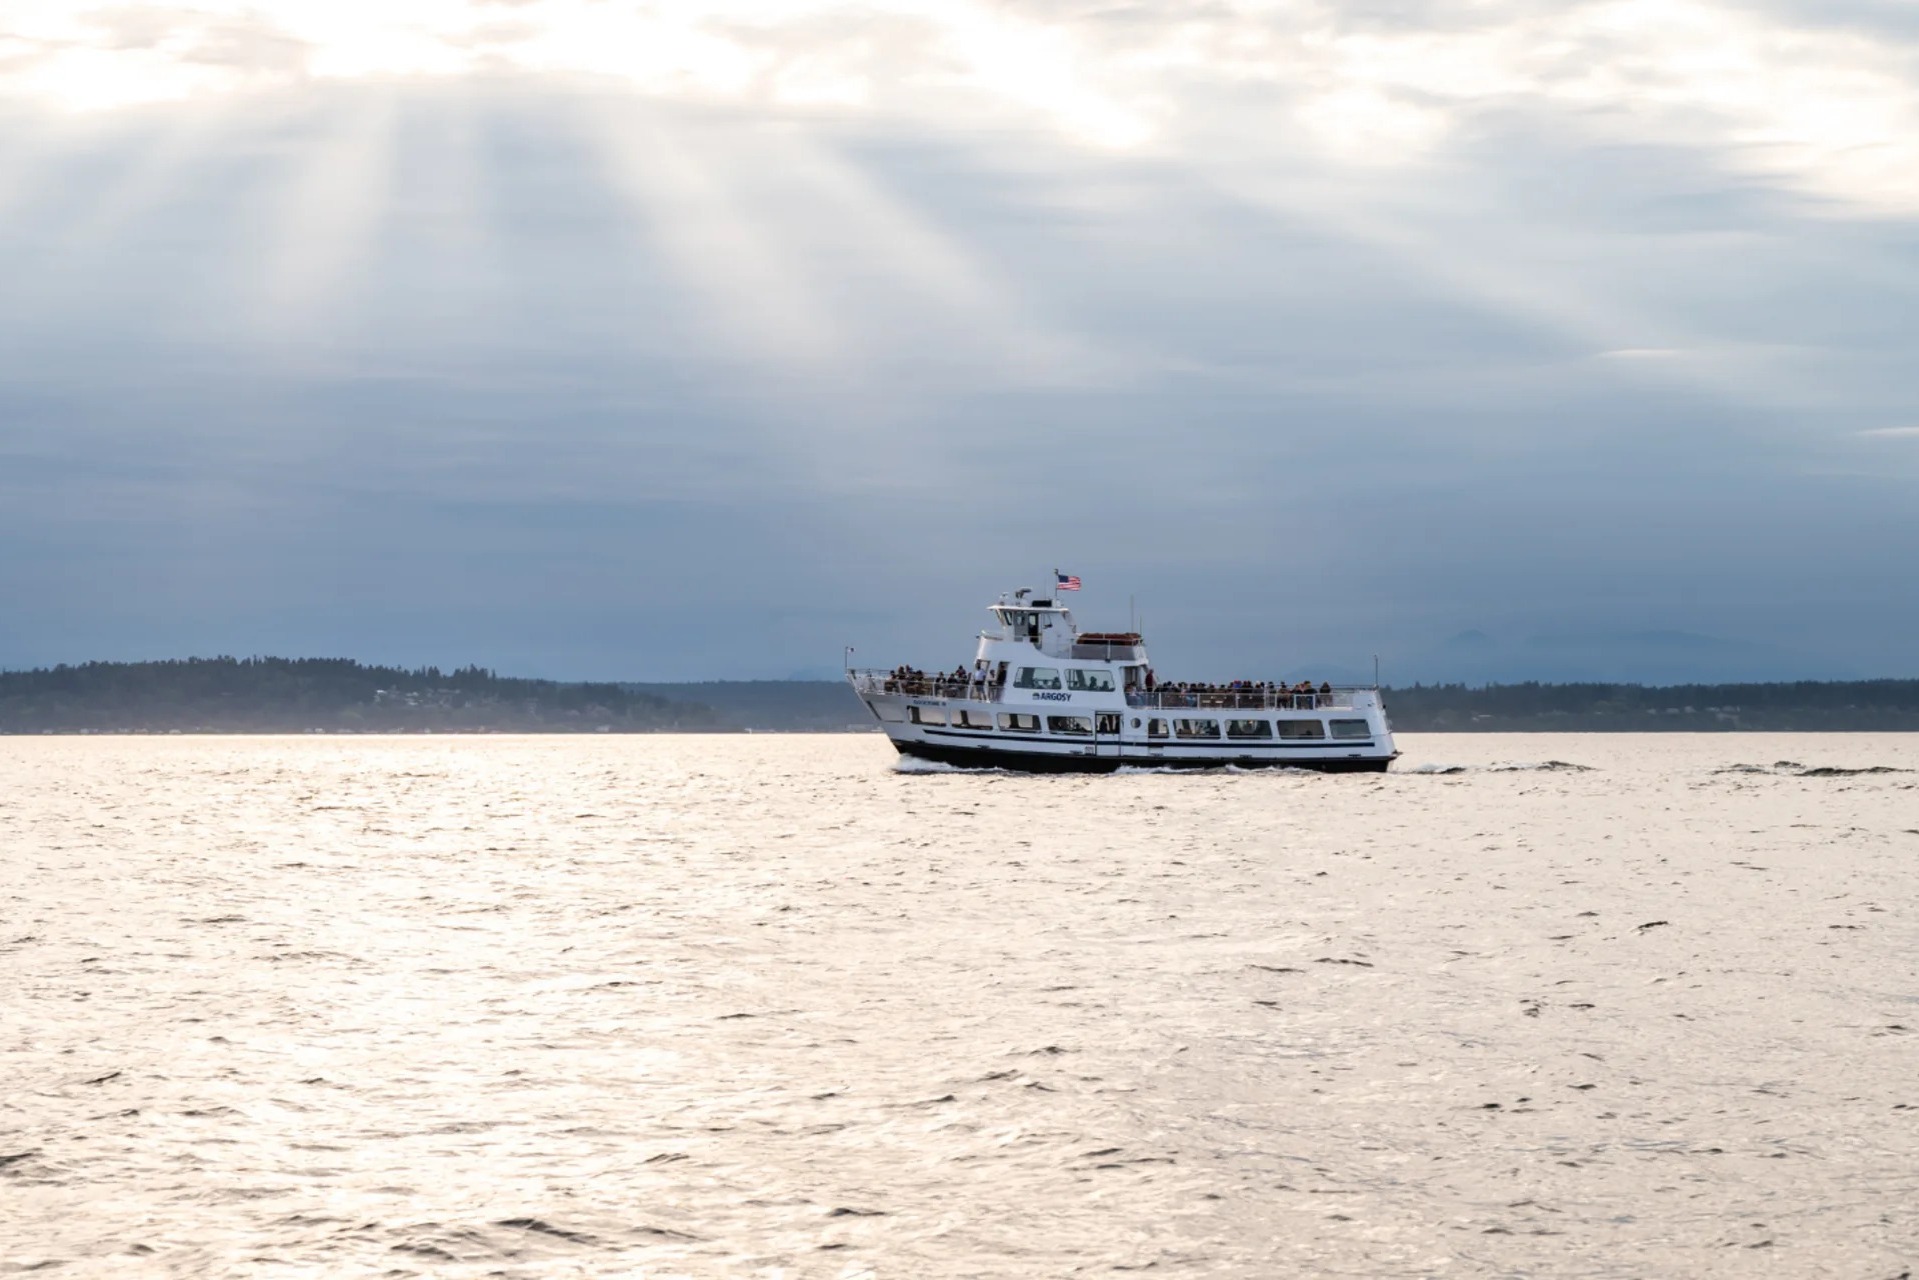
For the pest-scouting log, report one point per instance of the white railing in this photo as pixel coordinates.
(1204, 698)
(885, 682)
(1244, 699)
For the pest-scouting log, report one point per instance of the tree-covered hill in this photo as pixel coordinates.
(289, 695)
(297, 695)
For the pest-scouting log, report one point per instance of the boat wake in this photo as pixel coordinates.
(913, 764)
(1793, 769)
(1537, 766)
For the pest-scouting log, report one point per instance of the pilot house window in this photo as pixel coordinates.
(1037, 678)
(1089, 681)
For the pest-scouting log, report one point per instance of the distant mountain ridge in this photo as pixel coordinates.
(1805, 706)
(787, 706)
(1644, 657)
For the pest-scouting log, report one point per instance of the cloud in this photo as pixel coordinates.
(1828, 108)
(493, 324)
(1891, 433)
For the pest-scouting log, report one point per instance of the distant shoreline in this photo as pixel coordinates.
(340, 697)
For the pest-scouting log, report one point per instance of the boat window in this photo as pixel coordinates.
(1089, 681)
(927, 715)
(1023, 623)
(1196, 728)
(1018, 722)
(1069, 724)
(1352, 729)
(1155, 728)
(1249, 728)
(1037, 678)
(1302, 728)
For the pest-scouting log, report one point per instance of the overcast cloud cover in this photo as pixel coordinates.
(665, 341)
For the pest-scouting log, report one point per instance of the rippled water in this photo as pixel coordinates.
(765, 1006)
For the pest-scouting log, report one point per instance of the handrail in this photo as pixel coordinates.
(924, 687)
(1337, 697)
(1241, 700)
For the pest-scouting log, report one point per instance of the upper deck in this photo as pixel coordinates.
(1036, 652)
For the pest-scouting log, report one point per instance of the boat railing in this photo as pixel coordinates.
(1255, 699)
(1243, 700)
(923, 686)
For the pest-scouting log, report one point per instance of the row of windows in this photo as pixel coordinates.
(1288, 730)
(1025, 722)
(1077, 678)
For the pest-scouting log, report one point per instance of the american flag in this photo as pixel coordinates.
(1065, 581)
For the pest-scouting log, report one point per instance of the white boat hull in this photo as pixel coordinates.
(947, 741)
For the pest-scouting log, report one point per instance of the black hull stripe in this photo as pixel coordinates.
(1156, 744)
(1047, 762)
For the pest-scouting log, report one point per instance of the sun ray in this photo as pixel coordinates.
(1468, 258)
(153, 162)
(443, 264)
(35, 143)
(980, 315)
(746, 295)
(323, 224)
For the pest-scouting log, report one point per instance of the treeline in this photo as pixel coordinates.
(297, 695)
(1794, 707)
(782, 706)
(338, 695)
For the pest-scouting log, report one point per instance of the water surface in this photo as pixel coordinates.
(1598, 1005)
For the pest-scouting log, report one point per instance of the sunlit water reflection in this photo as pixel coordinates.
(766, 1006)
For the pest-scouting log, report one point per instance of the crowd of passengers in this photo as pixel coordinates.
(982, 681)
(1235, 693)
(946, 684)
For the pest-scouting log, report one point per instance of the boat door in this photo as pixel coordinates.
(1106, 733)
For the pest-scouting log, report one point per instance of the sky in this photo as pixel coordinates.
(670, 341)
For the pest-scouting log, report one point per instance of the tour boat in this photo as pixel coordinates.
(1044, 696)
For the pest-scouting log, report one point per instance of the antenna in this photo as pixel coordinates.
(1375, 672)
